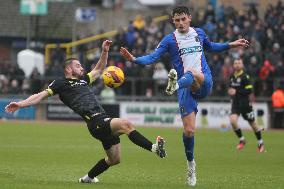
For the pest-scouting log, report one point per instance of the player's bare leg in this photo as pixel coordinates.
(238, 131)
(188, 140)
(113, 158)
(121, 126)
(198, 80)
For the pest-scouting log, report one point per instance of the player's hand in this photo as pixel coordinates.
(106, 45)
(13, 106)
(239, 43)
(126, 54)
(232, 91)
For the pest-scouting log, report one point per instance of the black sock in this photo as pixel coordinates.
(239, 132)
(258, 135)
(99, 168)
(140, 140)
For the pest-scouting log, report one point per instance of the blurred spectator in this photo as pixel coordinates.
(220, 13)
(26, 87)
(279, 69)
(210, 28)
(216, 66)
(119, 39)
(107, 95)
(36, 84)
(4, 82)
(278, 106)
(227, 69)
(130, 37)
(209, 13)
(17, 73)
(266, 76)
(160, 77)
(266, 70)
(139, 22)
(54, 70)
(14, 87)
(275, 55)
(253, 68)
(152, 29)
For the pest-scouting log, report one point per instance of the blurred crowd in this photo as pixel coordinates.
(263, 59)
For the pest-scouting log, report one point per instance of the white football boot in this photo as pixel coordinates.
(191, 173)
(171, 88)
(87, 179)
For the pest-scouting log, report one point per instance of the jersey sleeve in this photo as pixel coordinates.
(88, 78)
(54, 87)
(151, 58)
(211, 46)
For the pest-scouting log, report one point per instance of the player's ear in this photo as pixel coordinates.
(68, 69)
(189, 17)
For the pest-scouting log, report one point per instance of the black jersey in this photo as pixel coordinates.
(76, 94)
(241, 82)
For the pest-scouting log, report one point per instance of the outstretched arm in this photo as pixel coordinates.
(147, 59)
(126, 54)
(101, 64)
(143, 60)
(239, 43)
(32, 100)
(217, 47)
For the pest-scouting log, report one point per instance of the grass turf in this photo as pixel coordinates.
(54, 155)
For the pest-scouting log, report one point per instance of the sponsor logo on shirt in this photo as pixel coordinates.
(190, 50)
(75, 83)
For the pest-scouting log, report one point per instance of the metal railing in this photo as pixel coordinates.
(69, 46)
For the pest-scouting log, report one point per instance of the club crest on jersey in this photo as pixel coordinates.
(197, 39)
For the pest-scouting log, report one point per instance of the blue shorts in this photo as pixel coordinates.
(188, 100)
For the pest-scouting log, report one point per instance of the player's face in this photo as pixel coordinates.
(238, 65)
(77, 69)
(182, 22)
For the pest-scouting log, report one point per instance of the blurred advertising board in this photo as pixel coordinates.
(59, 111)
(23, 113)
(33, 7)
(166, 114)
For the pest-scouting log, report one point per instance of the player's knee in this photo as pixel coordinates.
(114, 161)
(233, 119)
(126, 126)
(189, 132)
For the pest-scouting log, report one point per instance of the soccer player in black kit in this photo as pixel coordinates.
(240, 89)
(74, 91)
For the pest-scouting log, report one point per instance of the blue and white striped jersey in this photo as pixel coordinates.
(186, 51)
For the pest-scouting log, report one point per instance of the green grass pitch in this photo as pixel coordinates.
(48, 155)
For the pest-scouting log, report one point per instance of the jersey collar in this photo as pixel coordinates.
(237, 74)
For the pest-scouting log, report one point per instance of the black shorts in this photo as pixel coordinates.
(99, 127)
(245, 110)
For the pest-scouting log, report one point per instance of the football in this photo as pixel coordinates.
(113, 76)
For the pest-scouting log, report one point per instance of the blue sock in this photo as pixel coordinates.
(188, 146)
(186, 80)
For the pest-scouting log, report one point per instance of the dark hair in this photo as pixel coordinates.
(180, 10)
(68, 61)
(238, 58)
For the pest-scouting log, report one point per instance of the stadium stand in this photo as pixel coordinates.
(263, 60)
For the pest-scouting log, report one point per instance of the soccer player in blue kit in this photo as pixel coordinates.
(191, 76)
